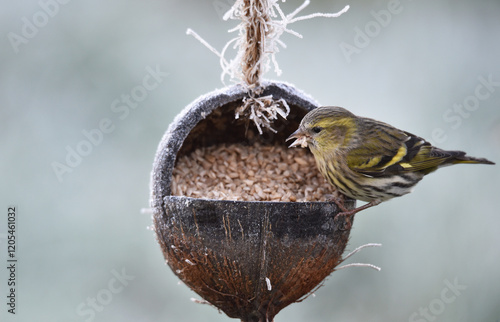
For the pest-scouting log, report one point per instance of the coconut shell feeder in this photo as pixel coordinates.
(249, 259)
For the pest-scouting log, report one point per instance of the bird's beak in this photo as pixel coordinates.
(301, 139)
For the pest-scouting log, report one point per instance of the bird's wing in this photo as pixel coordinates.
(385, 150)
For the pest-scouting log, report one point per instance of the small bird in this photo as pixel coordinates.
(369, 160)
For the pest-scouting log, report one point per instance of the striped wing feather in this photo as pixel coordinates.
(386, 151)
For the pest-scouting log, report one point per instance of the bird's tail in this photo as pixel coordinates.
(461, 157)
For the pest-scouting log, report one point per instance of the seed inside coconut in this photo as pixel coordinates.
(250, 173)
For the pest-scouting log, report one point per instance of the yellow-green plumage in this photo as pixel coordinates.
(367, 159)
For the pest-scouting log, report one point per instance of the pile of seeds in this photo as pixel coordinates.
(250, 173)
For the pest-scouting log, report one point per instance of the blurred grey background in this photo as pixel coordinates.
(67, 68)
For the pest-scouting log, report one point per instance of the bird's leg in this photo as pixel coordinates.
(346, 212)
(349, 212)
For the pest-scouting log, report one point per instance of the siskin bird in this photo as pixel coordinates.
(369, 160)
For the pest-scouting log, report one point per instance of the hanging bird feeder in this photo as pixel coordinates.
(248, 258)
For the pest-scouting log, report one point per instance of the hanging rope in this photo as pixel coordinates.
(262, 22)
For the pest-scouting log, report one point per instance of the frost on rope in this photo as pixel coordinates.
(263, 111)
(256, 45)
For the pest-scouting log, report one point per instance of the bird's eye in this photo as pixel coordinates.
(317, 129)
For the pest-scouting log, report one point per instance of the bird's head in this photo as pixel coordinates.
(325, 129)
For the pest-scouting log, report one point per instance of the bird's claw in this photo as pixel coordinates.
(339, 201)
(347, 224)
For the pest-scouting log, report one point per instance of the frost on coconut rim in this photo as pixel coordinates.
(258, 41)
